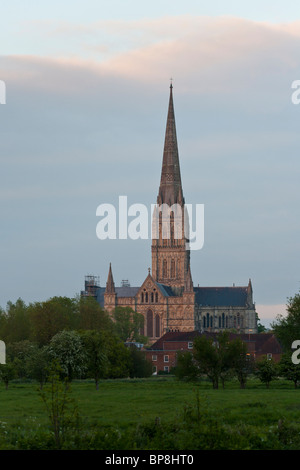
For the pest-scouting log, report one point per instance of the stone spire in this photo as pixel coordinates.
(170, 189)
(110, 285)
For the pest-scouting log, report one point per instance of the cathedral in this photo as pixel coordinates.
(167, 297)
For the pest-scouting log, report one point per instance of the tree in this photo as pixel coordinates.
(92, 316)
(289, 370)
(7, 373)
(287, 328)
(118, 357)
(37, 364)
(67, 348)
(14, 322)
(128, 324)
(139, 365)
(207, 358)
(95, 345)
(52, 316)
(186, 368)
(61, 408)
(266, 370)
(19, 353)
(241, 361)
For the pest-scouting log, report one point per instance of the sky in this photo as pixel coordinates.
(87, 90)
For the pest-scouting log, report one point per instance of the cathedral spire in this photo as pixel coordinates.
(170, 190)
(110, 285)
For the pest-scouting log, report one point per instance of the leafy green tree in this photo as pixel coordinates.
(92, 316)
(7, 373)
(139, 365)
(241, 362)
(52, 316)
(266, 370)
(186, 368)
(96, 348)
(19, 353)
(118, 356)
(67, 348)
(207, 358)
(288, 370)
(287, 328)
(128, 324)
(14, 322)
(37, 364)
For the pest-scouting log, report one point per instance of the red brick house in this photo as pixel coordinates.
(163, 353)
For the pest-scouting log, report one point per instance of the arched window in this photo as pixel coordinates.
(152, 297)
(157, 326)
(219, 322)
(204, 322)
(173, 269)
(207, 320)
(150, 323)
(142, 297)
(156, 297)
(146, 297)
(165, 274)
(223, 320)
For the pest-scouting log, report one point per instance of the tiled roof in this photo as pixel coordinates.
(264, 342)
(221, 296)
(126, 291)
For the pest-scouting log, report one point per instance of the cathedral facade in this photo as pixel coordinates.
(167, 298)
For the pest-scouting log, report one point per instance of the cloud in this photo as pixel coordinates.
(81, 130)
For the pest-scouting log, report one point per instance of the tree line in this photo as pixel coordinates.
(76, 332)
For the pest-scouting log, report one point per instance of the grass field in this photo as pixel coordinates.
(127, 404)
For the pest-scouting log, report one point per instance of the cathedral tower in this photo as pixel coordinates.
(170, 253)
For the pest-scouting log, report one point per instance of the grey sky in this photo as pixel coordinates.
(84, 122)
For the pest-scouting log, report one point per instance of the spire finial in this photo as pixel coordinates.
(171, 82)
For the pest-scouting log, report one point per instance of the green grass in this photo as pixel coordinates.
(126, 404)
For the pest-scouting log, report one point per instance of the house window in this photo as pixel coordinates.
(190, 345)
(166, 358)
(154, 357)
(269, 356)
(166, 368)
(154, 370)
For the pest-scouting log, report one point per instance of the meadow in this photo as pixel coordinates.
(157, 413)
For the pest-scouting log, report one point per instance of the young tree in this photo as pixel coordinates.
(241, 361)
(186, 368)
(289, 370)
(96, 348)
(61, 408)
(266, 370)
(207, 358)
(7, 373)
(37, 364)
